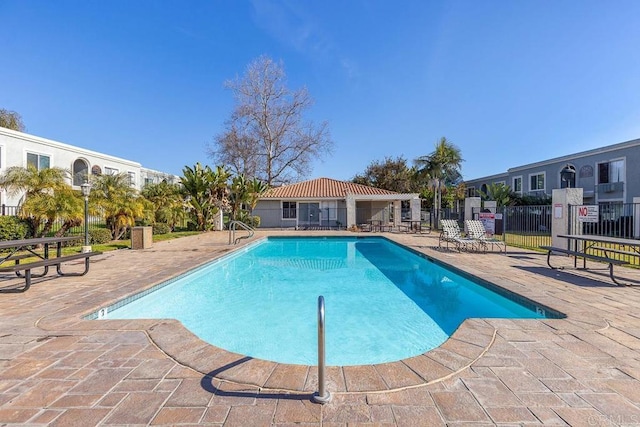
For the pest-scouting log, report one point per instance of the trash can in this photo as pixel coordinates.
(141, 237)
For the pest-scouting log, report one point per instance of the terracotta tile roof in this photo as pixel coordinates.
(322, 188)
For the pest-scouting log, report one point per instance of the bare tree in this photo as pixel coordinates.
(11, 120)
(266, 136)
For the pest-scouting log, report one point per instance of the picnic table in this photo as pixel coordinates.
(417, 226)
(21, 249)
(580, 245)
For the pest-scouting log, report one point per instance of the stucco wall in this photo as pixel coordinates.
(270, 213)
(372, 210)
(14, 147)
(586, 166)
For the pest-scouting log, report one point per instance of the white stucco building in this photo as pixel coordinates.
(22, 149)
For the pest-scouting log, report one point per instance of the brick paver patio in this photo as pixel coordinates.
(57, 369)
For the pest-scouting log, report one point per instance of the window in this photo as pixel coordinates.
(148, 181)
(80, 172)
(132, 178)
(517, 184)
(289, 210)
(536, 182)
(611, 172)
(471, 191)
(568, 176)
(611, 211)
(110, 171)
(38, 161)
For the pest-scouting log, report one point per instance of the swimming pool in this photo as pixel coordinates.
(383, 302)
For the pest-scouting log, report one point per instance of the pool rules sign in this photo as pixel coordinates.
(588, 213)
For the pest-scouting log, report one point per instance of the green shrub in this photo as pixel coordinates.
(161, 228)
(99, 236)
(253, 221)
(12, 228)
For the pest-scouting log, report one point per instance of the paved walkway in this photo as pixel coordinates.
(57, 369)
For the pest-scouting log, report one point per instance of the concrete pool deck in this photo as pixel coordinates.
(57, 369)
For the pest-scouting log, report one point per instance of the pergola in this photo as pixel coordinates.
(379, 203)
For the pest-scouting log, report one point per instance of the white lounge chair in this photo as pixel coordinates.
(476, 230)
(450, 233)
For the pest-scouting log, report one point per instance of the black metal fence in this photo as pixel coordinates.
(309, 216)
(530, 226)
(619, 220)
(93, 222)
(527, 226)
(521, 226)
(606, 219)
(8, 210)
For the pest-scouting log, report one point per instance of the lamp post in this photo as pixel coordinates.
(86, 190)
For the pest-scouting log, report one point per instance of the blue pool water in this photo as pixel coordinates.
(383, 302)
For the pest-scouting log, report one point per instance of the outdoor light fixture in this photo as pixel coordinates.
(568, 176)
(86, 190)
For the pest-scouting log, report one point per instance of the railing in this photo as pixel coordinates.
(331, 218)
(618, 220)
(522, 226)
(526, 226)
(610, 219)
(232, 231)
(322, 396)
(93, 221)
(8, 210)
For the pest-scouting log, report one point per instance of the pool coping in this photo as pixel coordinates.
(466, 345)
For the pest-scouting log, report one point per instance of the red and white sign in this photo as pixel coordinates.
(489, 221)
(588, 213)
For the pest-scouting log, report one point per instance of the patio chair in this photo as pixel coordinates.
(476, 231)
(451, 234)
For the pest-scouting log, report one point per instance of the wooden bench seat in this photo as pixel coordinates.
(46, 263)
(585, 256)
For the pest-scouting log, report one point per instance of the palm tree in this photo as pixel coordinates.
(440, 168)
(238, 195)
(47, 197)
(256, 188)
(206, 193)
(244, 195)
(113, 197)
(499, 192)
(167, 201)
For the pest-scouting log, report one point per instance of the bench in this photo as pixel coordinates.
(613, 250)
(584, 256)
(16, 259)
(46, 263)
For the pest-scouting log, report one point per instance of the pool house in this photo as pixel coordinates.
(325, 203)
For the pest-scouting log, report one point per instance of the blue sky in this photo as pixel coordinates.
(509, 82)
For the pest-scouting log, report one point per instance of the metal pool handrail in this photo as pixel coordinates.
(232, 231)
(322, 396)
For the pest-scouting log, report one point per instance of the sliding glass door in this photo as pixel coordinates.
(308, 214)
